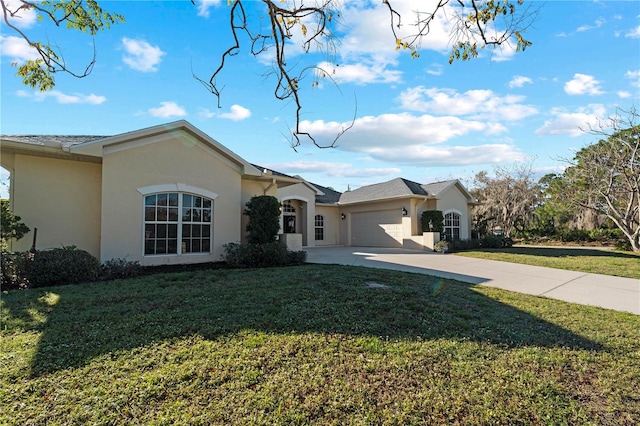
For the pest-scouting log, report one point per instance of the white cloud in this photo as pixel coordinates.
(519, 81)
(361, 73)
(63, 98)
(572, 123)
(141, 56)
(168, 110)
(597, 24)
(18, 16)
(205, 5)
(331, 169)
(17, 49)
(634, 76)
(237, 113)
(634, 33)
(410, 139)
(478, 104)
(624, 94)
(583, 84)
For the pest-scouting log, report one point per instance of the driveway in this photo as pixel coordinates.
(621, 294)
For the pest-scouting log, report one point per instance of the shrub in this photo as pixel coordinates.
(48, 267)
(435, 217)
(441, 246)
(11, 226)
(120, 268)
(264, 219)
(261, 255)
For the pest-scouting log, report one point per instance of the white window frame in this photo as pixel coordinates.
(181, 190)
(319, 226)
(448, 229)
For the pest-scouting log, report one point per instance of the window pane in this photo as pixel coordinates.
(187, 200)
(186, 215)
(195, 246)
(172, 231)
(197, 215)
(150, 200)
(206, 203)
(206, 246)
(173, 199)
(196, 230)
(162, 199)
(161, 231)
(206, 215)
(150, 213)
(149, 231)
(149, 247)
(206, 231)
(161, 246)
(173, 214)
(162, 214)
(172, 246)
(186, 246)
(186, 230)
(197, 201)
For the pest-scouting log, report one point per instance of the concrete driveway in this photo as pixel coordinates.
(621, 294)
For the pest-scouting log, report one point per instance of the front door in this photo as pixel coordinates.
(289, 225)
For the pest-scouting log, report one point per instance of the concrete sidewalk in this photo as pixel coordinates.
(621, 294)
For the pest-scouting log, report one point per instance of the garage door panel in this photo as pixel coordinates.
(377, 229)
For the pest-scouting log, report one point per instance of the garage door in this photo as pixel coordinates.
(377, 229)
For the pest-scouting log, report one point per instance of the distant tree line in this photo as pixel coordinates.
(596, 197)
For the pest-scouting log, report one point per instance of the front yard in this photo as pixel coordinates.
(590, 260)
(314, 344)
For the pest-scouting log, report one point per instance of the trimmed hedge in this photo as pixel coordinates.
(261, 255)
(490, 241)
(48, 268)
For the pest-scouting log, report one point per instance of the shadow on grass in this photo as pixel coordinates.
(81, 322)
(563, 252)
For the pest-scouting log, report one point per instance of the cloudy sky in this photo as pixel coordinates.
(421, 119)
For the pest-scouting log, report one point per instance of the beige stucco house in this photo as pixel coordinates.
(172, 194)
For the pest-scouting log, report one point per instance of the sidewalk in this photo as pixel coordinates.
(621, 294)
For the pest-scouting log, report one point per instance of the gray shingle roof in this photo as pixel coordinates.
(52, 141)
(395, 188)
(330, 196)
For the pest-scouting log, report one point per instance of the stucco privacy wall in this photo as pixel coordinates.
(59, 197)
(453, 200)
(175, 158)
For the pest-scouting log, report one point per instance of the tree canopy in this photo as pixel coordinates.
(315, 24)
(605, 176)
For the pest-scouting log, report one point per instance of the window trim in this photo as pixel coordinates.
(181, 189)
(459, 227)
(318, 227)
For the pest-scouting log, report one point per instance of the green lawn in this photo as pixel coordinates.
(606, 262)
(315, 344)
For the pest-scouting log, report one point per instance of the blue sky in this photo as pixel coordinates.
(421, 119)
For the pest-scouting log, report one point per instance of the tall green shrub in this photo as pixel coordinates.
(264, 219)
(435, 217)
(11, 226)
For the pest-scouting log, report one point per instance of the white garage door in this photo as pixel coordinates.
(377, 229)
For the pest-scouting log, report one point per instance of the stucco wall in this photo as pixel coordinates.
(452, 200)
(303, 199)
(331, 225)
(179, 160)
(59, 197)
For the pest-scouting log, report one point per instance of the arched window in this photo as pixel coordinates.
(177, 223)
(452, 226)
(319, 224)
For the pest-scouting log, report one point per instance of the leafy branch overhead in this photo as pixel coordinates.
(85, 16)
(272, 26)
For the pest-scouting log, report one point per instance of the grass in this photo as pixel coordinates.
(594, 261)
(314, 344)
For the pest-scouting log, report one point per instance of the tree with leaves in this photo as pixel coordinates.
(11, 225)
(605, 176)
(273, 27)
